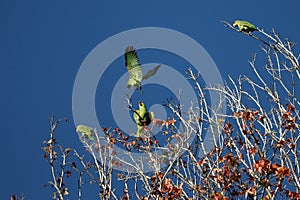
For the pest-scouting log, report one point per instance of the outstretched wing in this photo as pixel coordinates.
(151, 72)
(151, 114)
(133, 66)
(131, 58)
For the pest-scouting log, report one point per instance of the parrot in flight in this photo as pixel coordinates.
(245, 26)
(86, 132)
(142, 118)
(135, 69)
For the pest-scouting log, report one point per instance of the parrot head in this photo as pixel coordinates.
(78, 128)
(235, 23)
(141, 105)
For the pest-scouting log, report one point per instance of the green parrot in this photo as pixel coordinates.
(245, 26)
(86, 132)
(135, 69)
(142, 118)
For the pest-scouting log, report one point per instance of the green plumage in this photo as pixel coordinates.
(245, 26)
(142, 118)
(135, 69)
(86, 132)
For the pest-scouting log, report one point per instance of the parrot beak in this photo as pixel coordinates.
(234, 24)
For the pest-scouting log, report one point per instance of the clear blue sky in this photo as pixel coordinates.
(43, 43)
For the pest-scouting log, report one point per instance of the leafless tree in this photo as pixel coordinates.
(253, 150)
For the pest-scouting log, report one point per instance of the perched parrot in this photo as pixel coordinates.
(142, 118)
(245, 26)
(135, 69)
(86, 132)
